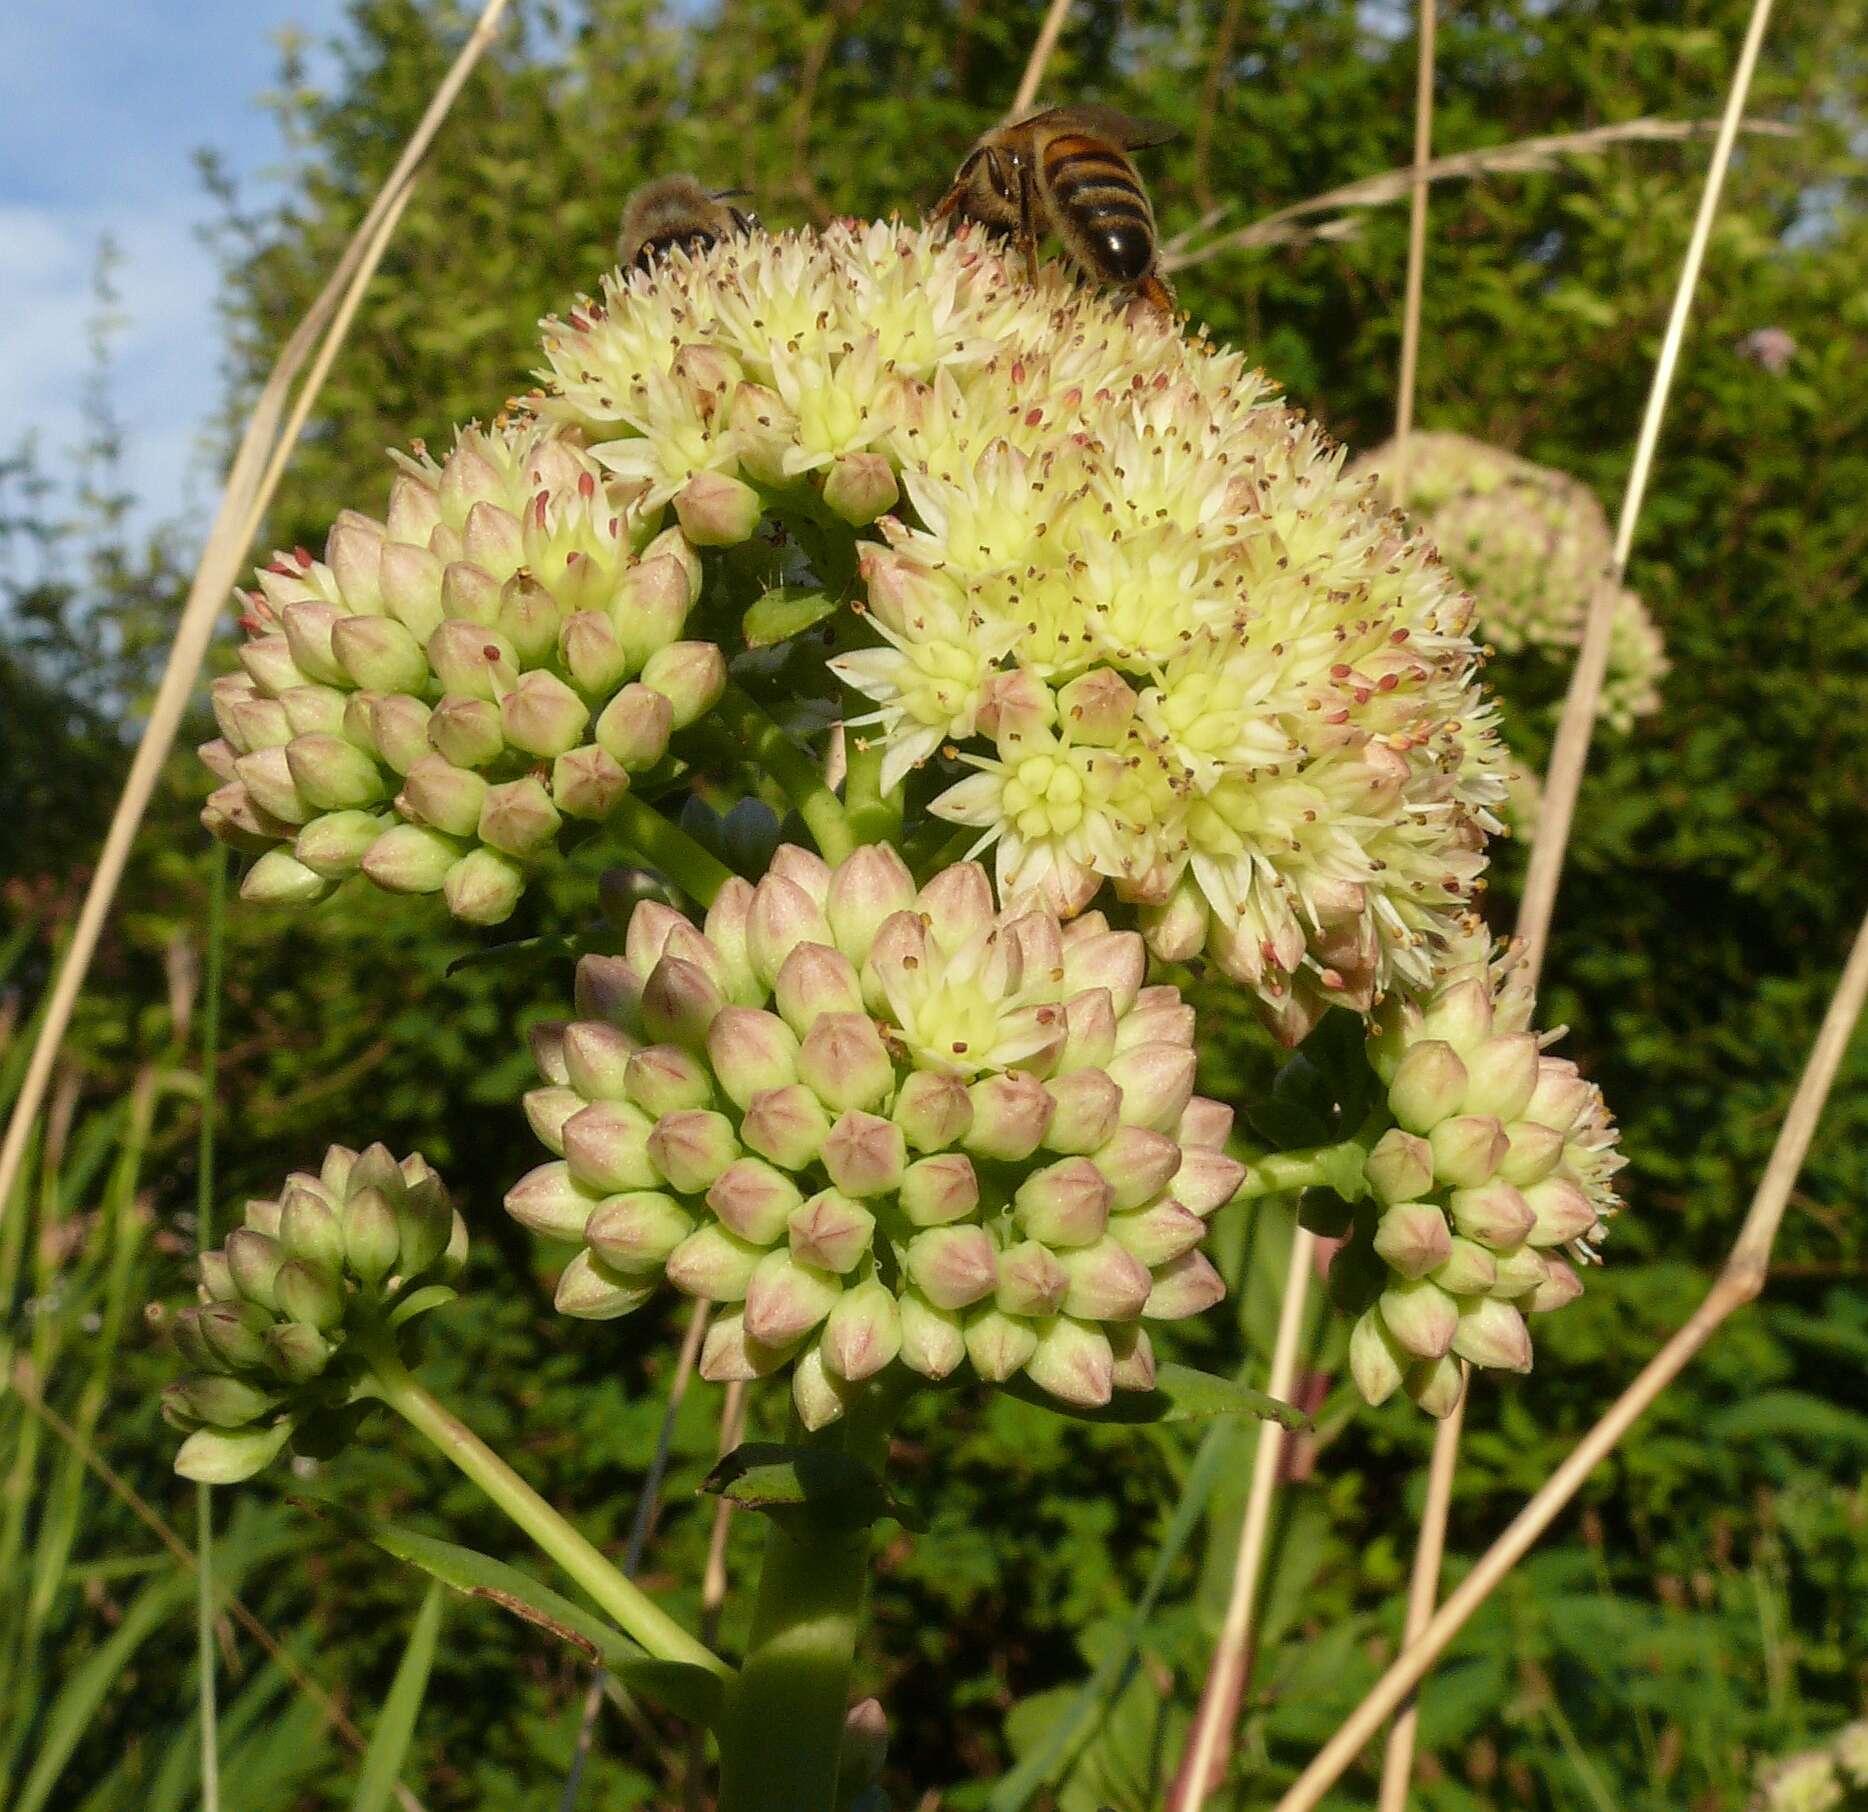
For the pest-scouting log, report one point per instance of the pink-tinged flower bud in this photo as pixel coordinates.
(545, 1040)
(473, 660)
(550, 1201)
(865, 1155)
(1065, 1204)
(309, 1292)
(1133, 1353)
(1561, 1285)
(1492, 1334)
(218, 757)
(1088, 1110)
(831, 1231)
(754, 1200)
(819, 1397)
(518, 818)
(1461, 1015)
(634, 728)
(1561, 1097)
(448, 798)
(1011, 1114)
(424, 1226)
(783, 916)
(492, 537)
(334, 1173)
(590, 1291)
(1467, 1149)
(1534, 1152)
(717, 511)
(1376, 1361)
(1116, 960)
(1167, 1020)
(1400, 1167)
(596, 1059)
(530, 618)
(263, 1216)
(542, 715)
(860, 487)
(1157, 1233)
(466, 731)
(862, 1333)
(1107, 1283)
(216, 1279)
(1097, 708)
(952, 1266)
(375, 1167)
(278, 879)
(693, 1148)
(1413, 1238)
(335, 844)
(1436, 1385)
(253, 1261)
(1031, 1280)
(483, 887)
(844, 1062)
(1493, 1214)
(231, 815)
(219, 1401)
(785, 1300)
(664, 1078)
(690, 675)
(714, 1263)
(1469, 1269)
(1428, 1086)
(1206, 1180)
(1562, 1211)
(763, 429)
(680, 1003)
(1421, 1316)
(1176, 930)
(1089, 1031)
(812, 981)
(804, 866)
(751, 1052)
(933, 1340)
(593, 654)
(587, 783)
(653, 599)
(1206, 1124)
(314, 710)
(296, 1352)
(933, 1110)
(1137, 1164)
(938, 1190)
(606, 1146)
(308, 627)
(645, 938)
(726, 928)
(1185, 1286)
(469, 593)
(1015, 706)
(957, 903)
(1156, 1082)
(787, 1125)
(410, 578)
(268, 779)
(634, 1233)
(1518, 1271)
(259, 723)
(269, 664)
(308, 1228)
(1074, 1363)
(331, 774)
(353, 550)
(228, 695)
(863, 891)
(999, 1345)
(378, 654)
(730, 1355)
(1502, 1074)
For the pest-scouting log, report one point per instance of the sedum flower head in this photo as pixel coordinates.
(881, 1126)
(1802, 1783)
(428, 703)
(1129, 602)
(1531, 543)
(276, 1342)
(1493, 1184)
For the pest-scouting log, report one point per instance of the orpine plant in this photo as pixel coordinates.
(935, 564)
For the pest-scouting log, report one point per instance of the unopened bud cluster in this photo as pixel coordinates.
(428, 703)
(880, 1125)
(367, 1245)
(1500, 1160)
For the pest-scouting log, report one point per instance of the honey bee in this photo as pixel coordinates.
(676, 211)
(1066, 169)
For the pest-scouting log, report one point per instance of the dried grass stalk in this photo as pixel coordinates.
(1046, 42)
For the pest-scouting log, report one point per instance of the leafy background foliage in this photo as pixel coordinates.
(1700, 1609)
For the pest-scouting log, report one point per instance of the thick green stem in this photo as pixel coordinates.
(766, 746)
(634, 1612)
(1280, 1172)
(874, 816)
(782, 1737)
(668, 847)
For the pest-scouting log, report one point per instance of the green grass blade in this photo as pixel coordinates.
(206, 1717)
(389, 1741)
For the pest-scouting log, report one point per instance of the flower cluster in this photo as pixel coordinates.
(363, 1248)
(880, 1124)
(1500, 1159)
(1180, 654)
(1531, 543)
(428, 703)
(1831, 1779)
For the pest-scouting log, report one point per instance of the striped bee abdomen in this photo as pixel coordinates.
(1095, 189)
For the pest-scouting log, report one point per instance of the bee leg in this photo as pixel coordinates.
(1027, 227)
(1154, 290)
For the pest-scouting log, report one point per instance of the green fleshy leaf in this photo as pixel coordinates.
(784, 611)
(1181, 1394)
(419, 1302)
(836, 1489)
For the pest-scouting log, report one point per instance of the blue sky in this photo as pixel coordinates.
(102, 106)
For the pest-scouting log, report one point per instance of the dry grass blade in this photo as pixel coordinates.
(25, 1386)
(1035, 65)
(1739, 1283)
(1416, 248)
(713, 1582)
(249, 489)
(1521, 157)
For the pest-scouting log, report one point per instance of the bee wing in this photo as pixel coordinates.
(1125, 129)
